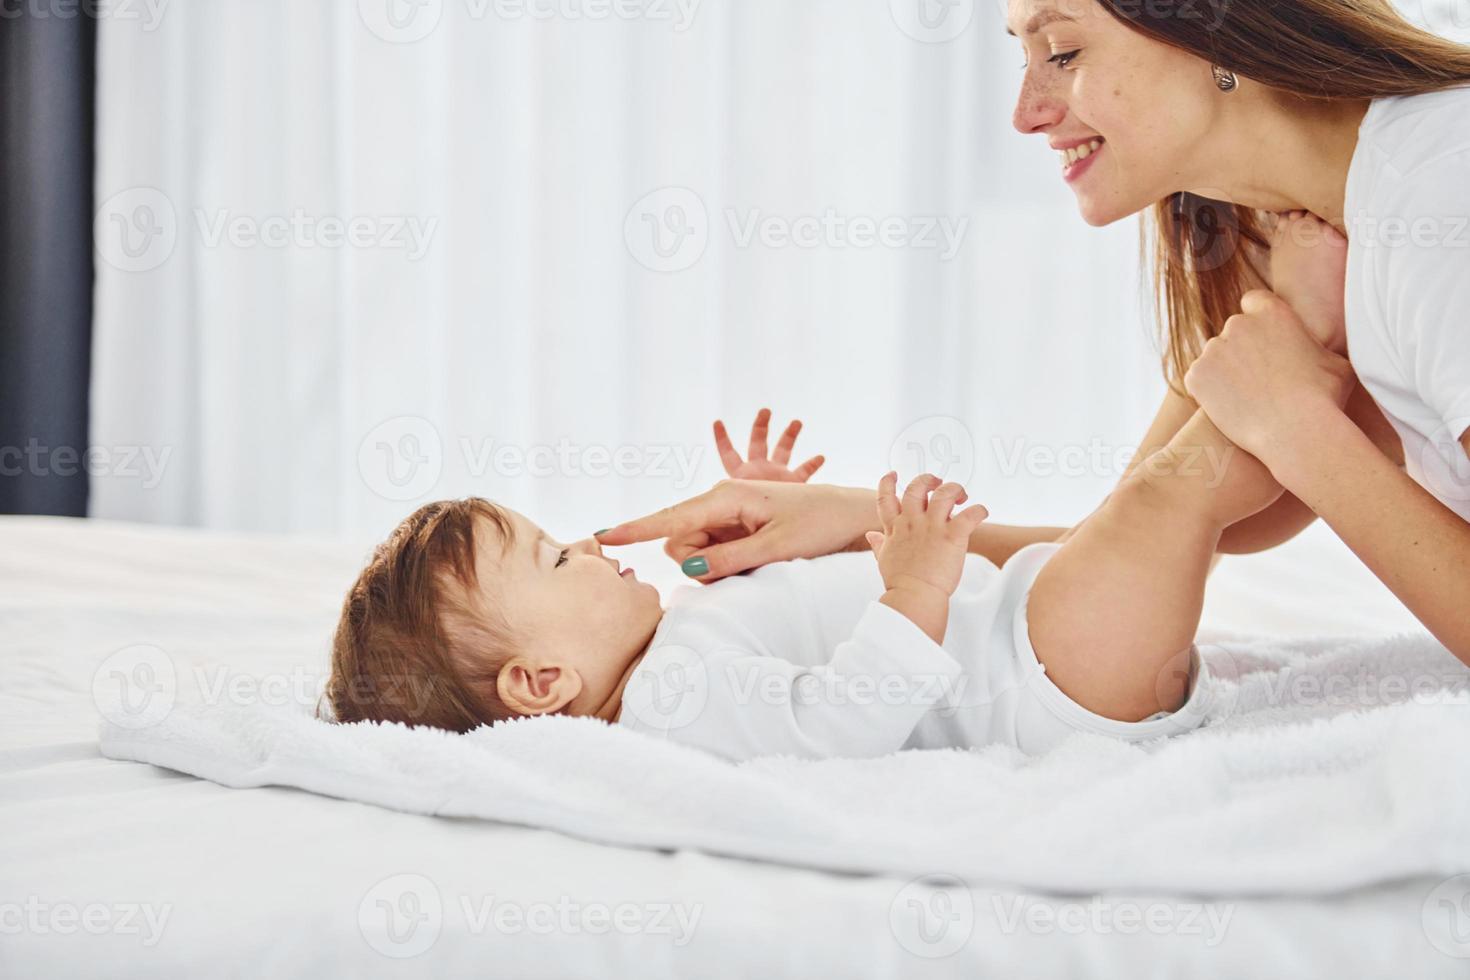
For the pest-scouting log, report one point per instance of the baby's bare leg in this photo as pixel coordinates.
(1111, 611)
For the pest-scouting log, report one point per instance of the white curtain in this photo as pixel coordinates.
(355, 256)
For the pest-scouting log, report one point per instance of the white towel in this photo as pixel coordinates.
(1326, 765)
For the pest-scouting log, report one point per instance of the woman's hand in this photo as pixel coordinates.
(756, 466)
(743, 524)
(1264, 381)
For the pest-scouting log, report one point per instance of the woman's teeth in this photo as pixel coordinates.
(1072, 155)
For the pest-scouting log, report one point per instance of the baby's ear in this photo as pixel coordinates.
(530, 689)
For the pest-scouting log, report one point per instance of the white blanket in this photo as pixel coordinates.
(1327, 765)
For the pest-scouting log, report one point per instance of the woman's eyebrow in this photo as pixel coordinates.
(1040, 20)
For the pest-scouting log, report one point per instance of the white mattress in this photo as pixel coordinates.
(272, 882)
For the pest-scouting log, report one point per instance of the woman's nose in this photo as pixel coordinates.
(1036, 108)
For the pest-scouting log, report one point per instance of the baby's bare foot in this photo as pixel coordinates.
(1308, 270)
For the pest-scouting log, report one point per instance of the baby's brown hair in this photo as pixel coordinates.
(415, 643)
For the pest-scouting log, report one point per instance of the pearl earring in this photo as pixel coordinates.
(1224, 80)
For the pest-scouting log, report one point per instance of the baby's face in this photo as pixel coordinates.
(570, 602)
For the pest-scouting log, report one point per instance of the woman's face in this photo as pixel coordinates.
(1091, 78)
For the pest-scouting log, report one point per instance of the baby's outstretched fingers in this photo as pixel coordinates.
(728, 456)
(888, 508)
(951, 489)
(804, 472)
(916, 497)
(971, 517)
(943, 500)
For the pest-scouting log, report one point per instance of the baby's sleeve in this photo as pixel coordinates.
(864, 701)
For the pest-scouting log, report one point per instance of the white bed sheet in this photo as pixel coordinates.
(273, 881)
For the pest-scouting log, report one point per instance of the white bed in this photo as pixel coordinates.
(272, 881)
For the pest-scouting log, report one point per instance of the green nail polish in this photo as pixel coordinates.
(694, 567)
(598, 534)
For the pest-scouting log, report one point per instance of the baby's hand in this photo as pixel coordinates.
(756, 466)
(922, 548)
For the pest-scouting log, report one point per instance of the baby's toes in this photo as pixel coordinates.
(1281, 234)
(1301, 228)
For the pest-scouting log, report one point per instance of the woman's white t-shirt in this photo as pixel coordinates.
(1407, 213)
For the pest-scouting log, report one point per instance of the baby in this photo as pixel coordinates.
(470, 614)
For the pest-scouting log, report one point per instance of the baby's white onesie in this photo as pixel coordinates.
(799, 658)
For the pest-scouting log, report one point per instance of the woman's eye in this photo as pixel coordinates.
(1064, 58)
(561, 558)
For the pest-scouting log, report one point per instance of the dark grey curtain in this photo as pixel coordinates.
(47, 73)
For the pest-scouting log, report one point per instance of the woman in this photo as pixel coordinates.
(1355, 126)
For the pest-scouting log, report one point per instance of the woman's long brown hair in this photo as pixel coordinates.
(1315, 49)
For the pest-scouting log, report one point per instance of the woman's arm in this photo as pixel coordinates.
(1274, 390)
(1288, 517)
(1416, 545)
(742, 524)
(998, 542)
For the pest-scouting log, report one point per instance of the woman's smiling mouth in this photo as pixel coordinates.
(1076, 157)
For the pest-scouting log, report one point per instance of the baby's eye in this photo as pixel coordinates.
(561, 558)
